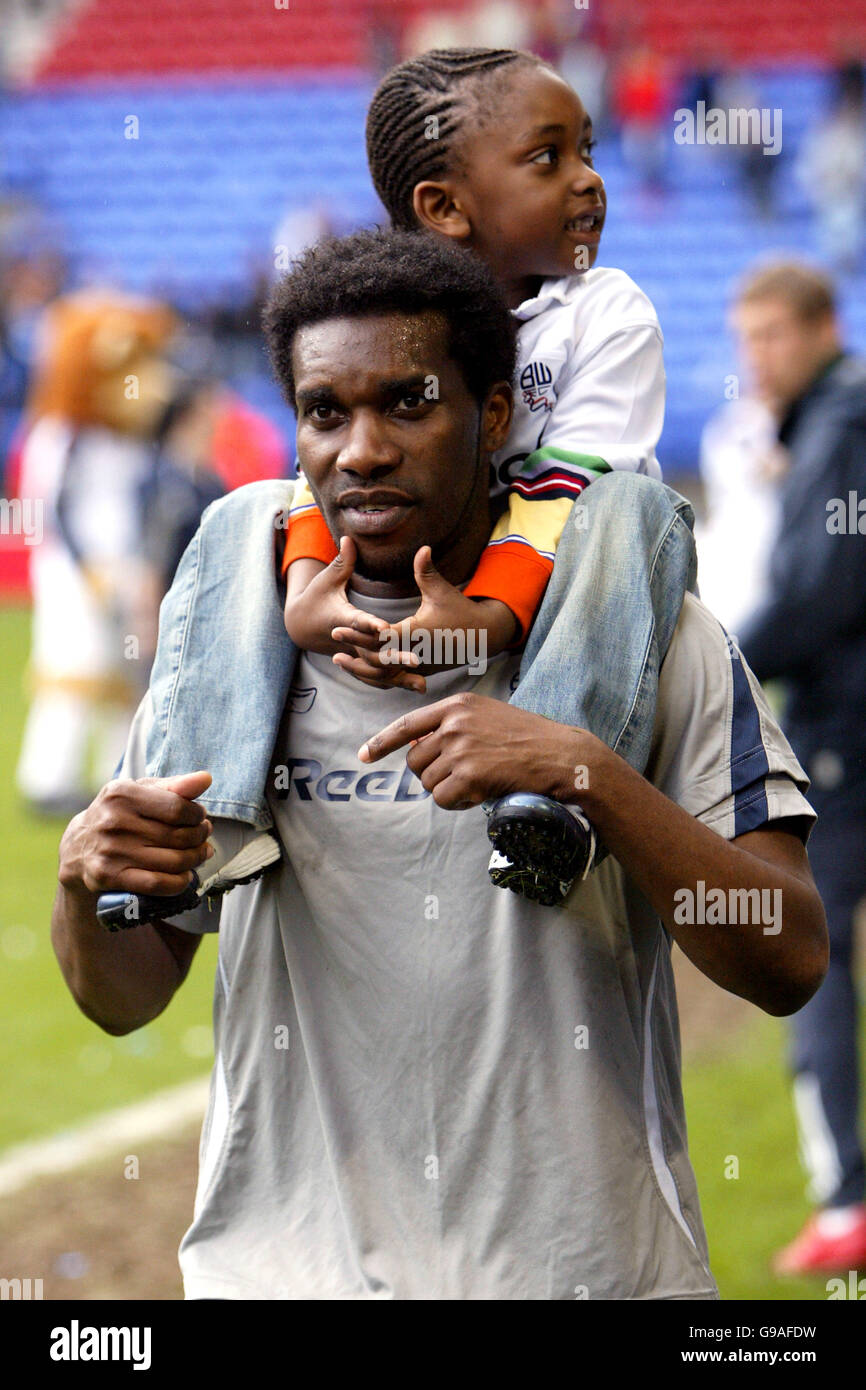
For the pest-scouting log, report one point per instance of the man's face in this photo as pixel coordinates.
(392, 443)
(783, 352)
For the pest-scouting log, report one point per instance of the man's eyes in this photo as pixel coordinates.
(323, 413)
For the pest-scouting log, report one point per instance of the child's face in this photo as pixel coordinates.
(526, 183)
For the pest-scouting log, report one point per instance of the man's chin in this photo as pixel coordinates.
(384, 565)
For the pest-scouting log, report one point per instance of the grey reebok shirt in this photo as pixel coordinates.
(426, 1087)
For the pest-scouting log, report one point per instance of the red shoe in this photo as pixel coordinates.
(814, 1252)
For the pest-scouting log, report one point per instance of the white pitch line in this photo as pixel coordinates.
(156, 1118)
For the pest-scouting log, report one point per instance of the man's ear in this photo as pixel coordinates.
(438, 208)
(498, 410)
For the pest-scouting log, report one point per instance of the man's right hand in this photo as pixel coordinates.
(143, 836)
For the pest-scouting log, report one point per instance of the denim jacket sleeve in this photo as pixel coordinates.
(224, 661)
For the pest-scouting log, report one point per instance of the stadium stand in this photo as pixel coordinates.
(225, 146)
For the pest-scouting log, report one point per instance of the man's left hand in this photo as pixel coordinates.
(470, 748)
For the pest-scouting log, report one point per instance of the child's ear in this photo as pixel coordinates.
(437, 209)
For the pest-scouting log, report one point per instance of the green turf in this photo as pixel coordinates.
(739, 1108)
(56, 1066)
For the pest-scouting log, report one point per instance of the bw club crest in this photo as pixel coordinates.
(536, 383)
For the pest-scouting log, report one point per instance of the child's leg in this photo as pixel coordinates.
(220, 679)
(592, 659)
(224, 661)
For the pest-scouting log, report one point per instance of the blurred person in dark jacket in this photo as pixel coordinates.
(181, 483)
(810, 630)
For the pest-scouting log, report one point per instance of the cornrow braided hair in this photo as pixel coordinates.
(415, 113)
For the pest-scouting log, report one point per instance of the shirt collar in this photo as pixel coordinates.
(552, 291)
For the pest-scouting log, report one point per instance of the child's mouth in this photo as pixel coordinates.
(589, 223)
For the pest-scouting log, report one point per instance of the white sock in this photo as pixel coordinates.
(838, 1221)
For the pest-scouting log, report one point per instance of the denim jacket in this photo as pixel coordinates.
(223, 644)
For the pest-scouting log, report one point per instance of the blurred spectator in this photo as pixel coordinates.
(246, 446)
(641, 105)
(738, 91)
(546, 31)
(741, 464)
(584, 65)
(499, 24)
(810, 631)
(182, 482)
(434, 30)
(299, 227)
(383, 41)
(832, 171)
(32, 273)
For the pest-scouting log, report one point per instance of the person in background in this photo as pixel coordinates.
(641, 104)
(832, 171)
(181, 484)
(810, 632)
(741, 464)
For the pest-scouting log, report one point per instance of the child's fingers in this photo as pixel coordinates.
(366, 622)
(354, 637)
(382, 677)
(388, 655)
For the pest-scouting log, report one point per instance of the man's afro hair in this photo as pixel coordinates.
(380, 272)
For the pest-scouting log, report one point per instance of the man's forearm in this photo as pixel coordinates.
(666, 850)
(140, 837)
(121, 980)
(469, 748)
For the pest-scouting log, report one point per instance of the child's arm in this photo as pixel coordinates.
(320, 618)
(309, 548)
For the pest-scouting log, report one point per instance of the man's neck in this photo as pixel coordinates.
(404, 586)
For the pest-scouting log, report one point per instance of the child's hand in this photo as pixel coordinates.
(311, 614)
(435, 638)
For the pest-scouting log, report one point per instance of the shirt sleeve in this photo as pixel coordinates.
(717, 750)
(201, 920)
(608, 415)
(609, 412)
(517, 561)
(308, 536)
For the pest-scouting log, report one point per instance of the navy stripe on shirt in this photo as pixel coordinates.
(749, 763)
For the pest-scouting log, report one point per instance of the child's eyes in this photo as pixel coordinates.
(550, 155)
